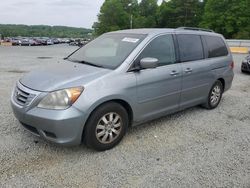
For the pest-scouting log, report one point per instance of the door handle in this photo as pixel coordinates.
(174, 73)
(188, 70)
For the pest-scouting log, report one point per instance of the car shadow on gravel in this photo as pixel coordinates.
(165, 119)
(17, 71)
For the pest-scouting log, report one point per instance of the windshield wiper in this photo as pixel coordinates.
(87, 63)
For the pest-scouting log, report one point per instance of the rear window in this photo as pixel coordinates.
(190, 46)
(216, 46)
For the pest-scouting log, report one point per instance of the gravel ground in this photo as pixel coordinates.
(192, 148)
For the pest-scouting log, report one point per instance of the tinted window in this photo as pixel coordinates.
(190, 47)
(216, 46)
(161, 48)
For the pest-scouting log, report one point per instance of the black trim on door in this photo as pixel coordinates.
(177, 51)
(205, 48)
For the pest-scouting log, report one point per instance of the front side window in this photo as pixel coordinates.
(161, 48)
(190, 47)
(216, 47)
(108, 50)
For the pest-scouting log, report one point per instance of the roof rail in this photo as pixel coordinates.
(195, 29)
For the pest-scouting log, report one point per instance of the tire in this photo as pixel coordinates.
(245, 72)
(215, 95)
(106, 126)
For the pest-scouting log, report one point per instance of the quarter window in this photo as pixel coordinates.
(190, 46)
(216, 47)
(161, 48)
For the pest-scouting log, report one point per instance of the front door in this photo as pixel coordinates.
(158, 89)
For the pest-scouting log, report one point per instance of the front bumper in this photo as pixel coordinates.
(245, 66)
(59, 126)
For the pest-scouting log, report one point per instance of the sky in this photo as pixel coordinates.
(76, 13)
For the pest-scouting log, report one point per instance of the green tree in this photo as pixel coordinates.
(132, 9)
(130, 5)
(177, 13)
(112, 17)
(229, 17)
(147, 14)
(116, 15)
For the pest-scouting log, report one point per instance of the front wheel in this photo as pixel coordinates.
(106, 126)
(214, 96)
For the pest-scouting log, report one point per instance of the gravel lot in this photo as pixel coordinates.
(192, 148)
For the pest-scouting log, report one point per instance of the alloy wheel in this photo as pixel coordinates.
(108, 128)
(215, 95)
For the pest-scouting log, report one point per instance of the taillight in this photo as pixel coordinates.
(231, 65)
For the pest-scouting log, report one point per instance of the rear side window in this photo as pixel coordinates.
(216, 46)
(190, 47)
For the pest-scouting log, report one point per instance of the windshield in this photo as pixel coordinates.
(108, 50)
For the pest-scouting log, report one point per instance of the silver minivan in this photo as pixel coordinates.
(121, 79)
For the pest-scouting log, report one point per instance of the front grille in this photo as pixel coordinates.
(23, 96)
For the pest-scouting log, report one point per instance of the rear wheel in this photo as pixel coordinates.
(106, 126)
(214, 96)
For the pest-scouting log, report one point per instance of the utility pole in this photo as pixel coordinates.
(131, 16)
(131, 21)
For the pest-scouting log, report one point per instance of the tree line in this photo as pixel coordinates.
(228, 17)
(43, 31)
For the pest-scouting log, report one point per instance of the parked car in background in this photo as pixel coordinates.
(50, 42)
(16, 41)
(43, 40)
(79, 42)
(34, 42)
(66, 40)
(38, 41)
(28, 42)
(7, 39)
(245, 66)
(25, 42)
(122, 79)
(75, 43)
(55, 41)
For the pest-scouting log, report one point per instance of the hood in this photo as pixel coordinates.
(62, 75)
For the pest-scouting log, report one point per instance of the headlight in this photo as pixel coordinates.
(61, 99)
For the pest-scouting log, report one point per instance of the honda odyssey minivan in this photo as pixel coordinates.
(122, 79)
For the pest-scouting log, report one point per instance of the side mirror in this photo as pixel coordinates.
(148, 63)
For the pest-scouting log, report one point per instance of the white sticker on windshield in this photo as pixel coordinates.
(133, 40)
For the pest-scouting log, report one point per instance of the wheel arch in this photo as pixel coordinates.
(124, 103)
(223, 82)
